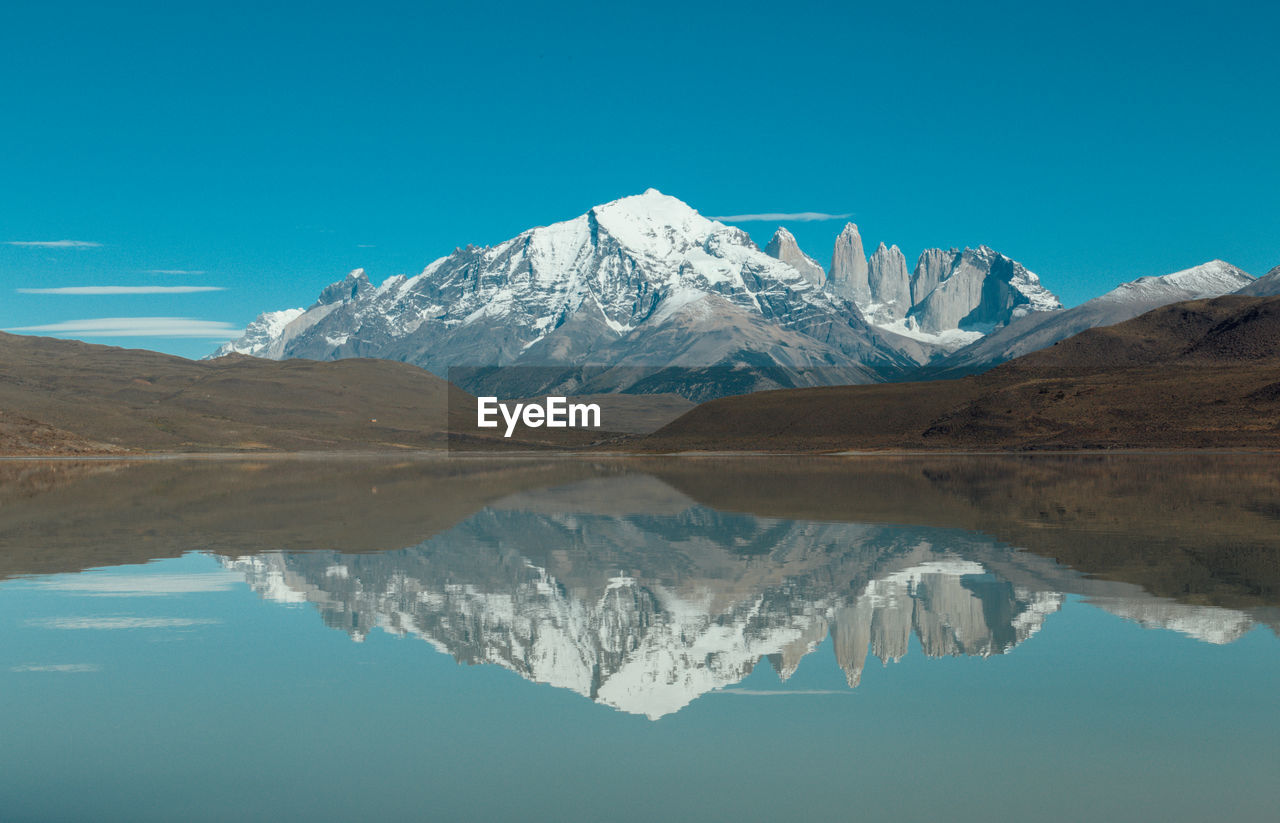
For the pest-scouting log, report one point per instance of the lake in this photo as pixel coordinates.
(704, 639)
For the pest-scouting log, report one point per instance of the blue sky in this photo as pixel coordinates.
(268, 151)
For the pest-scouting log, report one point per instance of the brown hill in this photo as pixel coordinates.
(77, 397)
(1202, 374)
(68, 397)
(1227, 330)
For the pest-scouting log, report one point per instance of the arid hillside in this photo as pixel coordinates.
(1202, 374)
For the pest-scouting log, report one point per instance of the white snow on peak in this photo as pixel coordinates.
(1212, 279)
(1028, 283)
(261, 333)
(623, 259)
(655, 224)
(1209, 624)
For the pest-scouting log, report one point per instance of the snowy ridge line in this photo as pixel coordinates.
(648, 280)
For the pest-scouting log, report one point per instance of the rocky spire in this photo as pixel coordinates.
(783, 247)
(931, 269)
(849, 268)
(889, 283)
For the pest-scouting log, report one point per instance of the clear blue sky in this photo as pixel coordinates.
(271, 150)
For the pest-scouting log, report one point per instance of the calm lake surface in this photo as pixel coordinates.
(934, 638)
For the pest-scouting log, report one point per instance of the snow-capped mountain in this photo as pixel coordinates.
(647, 282)
(1128, 300)
(1212, 279)
(643, 281)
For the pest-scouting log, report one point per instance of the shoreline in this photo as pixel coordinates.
(430, 455)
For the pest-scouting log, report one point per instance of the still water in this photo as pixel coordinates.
(682, 639)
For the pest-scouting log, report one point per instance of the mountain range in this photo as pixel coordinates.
(645, 283)
(1041, 330)
(645, 295)
(1195, 374)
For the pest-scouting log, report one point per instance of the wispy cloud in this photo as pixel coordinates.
(81, 290)
(54, 244)
(782, 217)
(57, 667)
(365, 246)
(173, 271)
(144, 585)
(119, 623)
(781, 692)
(139, 327)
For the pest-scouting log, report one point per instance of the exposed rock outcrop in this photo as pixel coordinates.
(849, 269)
(783, 246)
(889, 282)
(983, 290)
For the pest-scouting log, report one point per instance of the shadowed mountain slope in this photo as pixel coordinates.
(1265, 286)
(1039, 330)
(1202, 374)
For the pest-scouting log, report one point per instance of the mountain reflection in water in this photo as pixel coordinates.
(629, 592)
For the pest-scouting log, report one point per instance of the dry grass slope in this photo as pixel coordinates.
(1203, 374)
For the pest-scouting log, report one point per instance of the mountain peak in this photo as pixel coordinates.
(1209, 279)
(650, 201)
(353, 285)
(849, 267)
(784, 247)
(653, 223)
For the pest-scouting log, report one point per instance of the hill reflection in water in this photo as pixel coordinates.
(1006, 596)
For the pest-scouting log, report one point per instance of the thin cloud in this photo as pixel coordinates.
(80, 290)
(145, 585)
(139, 327)
(55, 244)
(57, 667)
(173, 271)
(782, 216)
(365, 246)
(781, 692)
(120, 623)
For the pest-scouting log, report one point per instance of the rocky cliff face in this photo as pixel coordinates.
(953, 297)
(889, 283)
(783, 247)
(849, 270)
(980, 291)
(931, 267)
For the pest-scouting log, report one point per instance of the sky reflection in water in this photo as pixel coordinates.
(623, 633)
